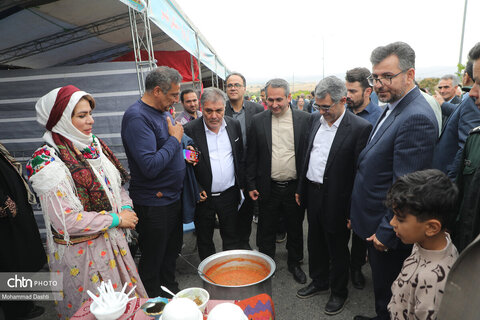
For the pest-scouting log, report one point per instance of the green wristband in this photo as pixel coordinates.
(115, 221)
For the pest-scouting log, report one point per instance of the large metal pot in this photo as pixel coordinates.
(221, 292)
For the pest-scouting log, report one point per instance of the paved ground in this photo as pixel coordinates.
(287, 305)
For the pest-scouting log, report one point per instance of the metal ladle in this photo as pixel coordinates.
(198, 270)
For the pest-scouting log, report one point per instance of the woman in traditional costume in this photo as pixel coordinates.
(87, 211)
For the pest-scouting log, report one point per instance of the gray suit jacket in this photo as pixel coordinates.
(251, 109)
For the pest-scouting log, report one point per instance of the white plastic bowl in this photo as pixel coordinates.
(227, 310)
(192, 293)
(181, 309)
(112, 313)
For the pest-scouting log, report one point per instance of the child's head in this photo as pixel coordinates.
(422, 203)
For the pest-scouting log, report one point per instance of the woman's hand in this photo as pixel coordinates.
(129, 219)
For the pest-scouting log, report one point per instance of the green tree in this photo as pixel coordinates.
(460, 68)
(430, 84)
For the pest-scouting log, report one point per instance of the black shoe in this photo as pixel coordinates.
(358, 280)
(361, 318)
(36, 311)
(335, 305)
(298, 274)
(281, 237)
(310, 291)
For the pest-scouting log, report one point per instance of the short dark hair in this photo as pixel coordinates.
(162, 77)
(469, 68)
(404, 53)
(427, 194)
(474, 53)
(237, 74)
(359, 75)
(184, 92)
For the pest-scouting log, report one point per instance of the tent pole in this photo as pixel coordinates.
(199, 63)
(193, 72)
(216, 71)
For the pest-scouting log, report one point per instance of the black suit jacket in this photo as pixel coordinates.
(251, 109)
(195, 129)
(259, 149)
(350, 139)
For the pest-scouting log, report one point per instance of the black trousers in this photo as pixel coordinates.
(160, 241)
(225, 206)
(328, 254)
(358, 252)
(281, 201)
(244, 222)
(385, 268)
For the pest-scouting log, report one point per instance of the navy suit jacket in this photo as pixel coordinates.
(403, 144)
(448, 151)
(449, 107)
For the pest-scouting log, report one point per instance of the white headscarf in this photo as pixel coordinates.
(64, 126)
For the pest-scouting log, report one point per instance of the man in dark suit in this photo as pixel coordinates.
(274, 159)
(446, 95)
(336, 138)
(219, 172)
(401, 142)
(465, 117)
(243, 111)
(358, 102)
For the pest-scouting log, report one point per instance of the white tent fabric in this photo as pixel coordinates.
(68, 32)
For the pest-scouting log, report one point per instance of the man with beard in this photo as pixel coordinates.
(358, 95)
(401, 142)
(190, 112)
(358, 101)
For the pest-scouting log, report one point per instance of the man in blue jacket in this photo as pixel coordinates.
(401, 142)
(449, 148)
(155, 157)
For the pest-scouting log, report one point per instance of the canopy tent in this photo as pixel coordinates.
(51, 43)
(47, 33)
(179, 60)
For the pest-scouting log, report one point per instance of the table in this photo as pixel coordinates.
(259, 307)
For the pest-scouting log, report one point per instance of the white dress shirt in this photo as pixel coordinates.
(322, 143)
(221, 158)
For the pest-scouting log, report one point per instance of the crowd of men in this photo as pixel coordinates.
(335, 157)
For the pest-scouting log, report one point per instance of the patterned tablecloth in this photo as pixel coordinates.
(259, 307)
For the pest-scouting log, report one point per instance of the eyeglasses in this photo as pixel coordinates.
(324, 108)
(236, 85)
(372, 79)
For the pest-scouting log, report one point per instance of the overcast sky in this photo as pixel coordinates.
(264, 39)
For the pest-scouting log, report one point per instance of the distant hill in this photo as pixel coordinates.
(309, 82)
(308, 86)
